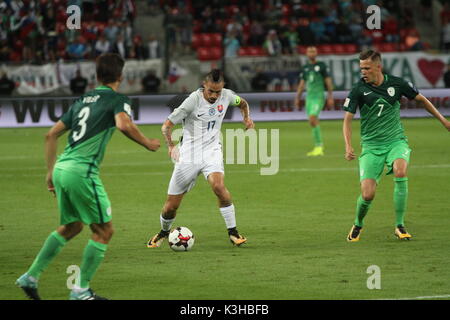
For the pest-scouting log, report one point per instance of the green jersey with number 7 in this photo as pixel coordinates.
(379, 107)
(91, 120)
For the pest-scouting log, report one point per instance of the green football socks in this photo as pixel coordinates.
(400, 199)
(52, 246)
(92, 257)
(317, 135)
(362, 207)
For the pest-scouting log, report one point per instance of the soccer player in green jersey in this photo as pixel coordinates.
(74, 177)
(383, 141)
(315, 75)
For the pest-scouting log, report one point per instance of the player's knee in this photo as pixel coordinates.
(400, 173)
(368, 195)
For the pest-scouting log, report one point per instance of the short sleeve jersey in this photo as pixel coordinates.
(202, 120)
(314, 76)
(379, 107)
(91, 122)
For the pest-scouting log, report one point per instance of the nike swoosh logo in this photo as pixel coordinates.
(199, 115)
(366, 93)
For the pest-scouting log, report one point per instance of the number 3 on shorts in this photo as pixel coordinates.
(83, 115)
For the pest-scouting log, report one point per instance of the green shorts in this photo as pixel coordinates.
(373, 159)
(314, 105)
(81, 199)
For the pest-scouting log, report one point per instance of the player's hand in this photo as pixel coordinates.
(349, 154)
(50, 186)
(330, 103)
(154, 144)
(174, 153)
(249, 124)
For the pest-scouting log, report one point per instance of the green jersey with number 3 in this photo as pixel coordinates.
(91, 122)
(379, 107)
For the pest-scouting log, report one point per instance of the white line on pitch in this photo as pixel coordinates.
(419, 298)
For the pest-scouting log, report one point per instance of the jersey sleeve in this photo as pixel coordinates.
(67, 118)
(324, 70)
(235, 100)
(352, 102)
(184, 109)
(408, 89)
(123, 104)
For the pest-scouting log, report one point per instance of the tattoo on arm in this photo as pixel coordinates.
(167, 133)
(245, 110)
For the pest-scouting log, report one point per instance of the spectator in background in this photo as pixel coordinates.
(412, 41)
(305, 32)
(446, 37)
(356, 28)
(235, 28)
(153, 48)
(138, 51)
(447, 77)
(343, 32)
(391, 29)
(78, 84)
(111, 31)
(318, 28)
(102, 45)
(7, 86)
(445, 13)
(231, 45)
(256, 37)
(260, 81)
(272, 45)
(120, 46)
(78, 49)
(151, 83)
(185, 30)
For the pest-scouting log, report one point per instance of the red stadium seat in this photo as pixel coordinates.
(203, 54)
(206, 39)
(325, 49)
(197, 27)
(286, 10)
(216, 39)
(216, 53)
(196, 41)
(338, 49)
(386, 47)
(243, 51)
(350, 48)
(256, 51)
(301, 49)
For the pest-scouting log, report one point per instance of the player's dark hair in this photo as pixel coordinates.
(214, 76)
(370, 54)
(109, 67)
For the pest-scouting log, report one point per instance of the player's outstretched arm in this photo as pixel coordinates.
(424, 102)
(347, 131)
(245, 111)
(128, 128)
(51, 145)
(298, 97)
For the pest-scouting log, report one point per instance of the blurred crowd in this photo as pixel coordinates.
(35, 31)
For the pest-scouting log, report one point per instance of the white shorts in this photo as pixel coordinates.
(185, 174)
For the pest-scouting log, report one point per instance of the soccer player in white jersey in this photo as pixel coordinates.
(200, 151)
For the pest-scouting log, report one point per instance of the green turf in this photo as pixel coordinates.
(296, 222)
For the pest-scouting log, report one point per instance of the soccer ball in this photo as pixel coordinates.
(181, 239)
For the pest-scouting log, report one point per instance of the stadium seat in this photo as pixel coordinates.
(243, 51)
(216, 53)
(325, 49)
(350, 48)
(386, 47)
(256, 51)
(196, 41)
(206, 39)
(203, 54)
(301, 49)
(286, 10)
(338, 49)
(216, 39)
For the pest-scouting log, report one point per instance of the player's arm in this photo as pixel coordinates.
(245, 111)
(347, 131)
(129, 129)
(51, 146)
(166, 130)
(298, 97)
(427, 105)
(329, 85)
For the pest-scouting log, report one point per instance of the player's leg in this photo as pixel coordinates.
(94, 208)
(183, 180)
(166, 219)
(70, 227)
(226, 207)
(314, 106)
(397, 163)
(370, 169)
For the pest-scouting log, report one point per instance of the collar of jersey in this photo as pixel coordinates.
(103, 88)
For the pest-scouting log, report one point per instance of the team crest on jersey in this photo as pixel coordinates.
(212, 111)
(317, 68)
(391, 91)
(220, 108)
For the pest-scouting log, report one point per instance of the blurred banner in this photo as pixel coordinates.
(37, 80)
(423, 69)
(42, 112)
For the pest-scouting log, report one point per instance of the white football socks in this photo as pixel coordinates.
(229, 216)
(166, 224)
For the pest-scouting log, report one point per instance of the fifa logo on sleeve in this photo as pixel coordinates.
(74, 18)
(373, 21)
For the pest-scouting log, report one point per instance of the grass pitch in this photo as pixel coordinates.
(296, 223)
